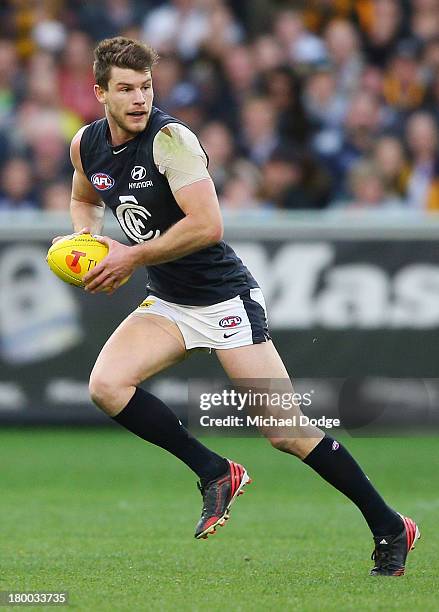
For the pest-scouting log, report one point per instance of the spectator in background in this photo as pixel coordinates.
(76, 80)
(383, 32)
(425, 19)
(167, 75)
(268, 54)
(283, 90)
(217, 141)
(186, 105)
(5, 147)
(9, 93)
(389, 157)
(300, 45)
(241, 190)
(372, 81)
(56, 197)
(16, 186)
(430, 58)
(423, 178)
(43, 130)
(179, 25)
(403, 87)
(49, 152)
(342, 43)
(9, 80)
(317, 181)
(222, 30)
(432, 99)
(367, 188)
(43, 101)
(324, 104)
(361, 127)
(325, 109)
(318, 13)
(48, 31)
(239, 81)
(43, 127)
(42, 63)
(259, 135)
(362, 122)
(108, 18)
(282, 184)
(122, 14)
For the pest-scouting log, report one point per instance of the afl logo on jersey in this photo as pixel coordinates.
(102, 181)
(138, 173)
(230, 321)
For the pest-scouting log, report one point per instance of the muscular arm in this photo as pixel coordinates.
(200, 228)
(179, 156)
(86, 209)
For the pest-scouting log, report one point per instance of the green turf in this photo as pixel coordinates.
(110, 519)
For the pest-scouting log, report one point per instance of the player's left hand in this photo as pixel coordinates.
(113, 270)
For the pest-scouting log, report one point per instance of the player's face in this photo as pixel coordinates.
(128, 99)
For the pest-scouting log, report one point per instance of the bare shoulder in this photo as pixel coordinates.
(75, 153)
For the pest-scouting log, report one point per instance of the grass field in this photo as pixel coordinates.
(110, 519)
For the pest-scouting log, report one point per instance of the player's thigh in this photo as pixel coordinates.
(258, 367)
(139, 348)
(253, 361)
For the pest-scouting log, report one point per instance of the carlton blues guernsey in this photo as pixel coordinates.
(130, 184)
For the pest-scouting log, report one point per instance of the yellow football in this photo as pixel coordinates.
(71, 258)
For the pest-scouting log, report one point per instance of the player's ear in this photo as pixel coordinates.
(99, 93)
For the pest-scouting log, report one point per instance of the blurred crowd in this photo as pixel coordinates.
(299, 104)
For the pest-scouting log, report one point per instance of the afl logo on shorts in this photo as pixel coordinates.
(231, 321)
(138, 173)
(102, 181)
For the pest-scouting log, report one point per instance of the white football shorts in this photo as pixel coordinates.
(240, 321)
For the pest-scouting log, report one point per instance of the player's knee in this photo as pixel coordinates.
(104, 393)
(99, 389)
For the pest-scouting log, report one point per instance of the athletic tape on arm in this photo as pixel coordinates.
(179, 156)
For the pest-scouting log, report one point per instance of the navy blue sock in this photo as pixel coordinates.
(149, 418)
(334, 463)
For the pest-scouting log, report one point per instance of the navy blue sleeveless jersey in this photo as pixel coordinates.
(128, 181)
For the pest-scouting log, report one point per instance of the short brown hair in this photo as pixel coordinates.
(123, 53)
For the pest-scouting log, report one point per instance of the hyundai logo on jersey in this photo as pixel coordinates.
(138, 173)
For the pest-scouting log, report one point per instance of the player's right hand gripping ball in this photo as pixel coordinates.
(72, 257)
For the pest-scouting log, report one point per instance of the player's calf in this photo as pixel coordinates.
(298, 440)
(299, 446)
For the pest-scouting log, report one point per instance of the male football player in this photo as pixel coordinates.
(151, 171)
